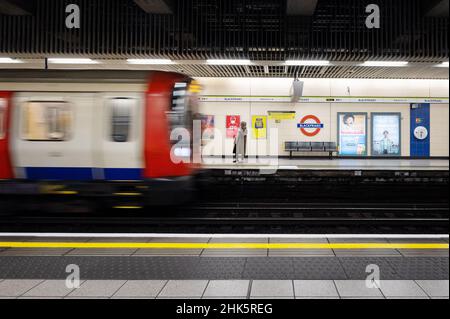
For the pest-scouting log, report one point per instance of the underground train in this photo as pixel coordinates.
(97, 133)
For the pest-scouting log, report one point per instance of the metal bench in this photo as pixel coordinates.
(325, 147)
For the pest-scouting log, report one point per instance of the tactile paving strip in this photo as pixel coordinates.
(217, 268)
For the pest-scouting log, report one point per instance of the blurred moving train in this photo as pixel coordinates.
(96, 133)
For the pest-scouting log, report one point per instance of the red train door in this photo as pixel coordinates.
(5, 158)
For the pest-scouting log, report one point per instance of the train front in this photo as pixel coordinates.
(172, 137)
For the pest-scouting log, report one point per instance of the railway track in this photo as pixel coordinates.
(262, 217)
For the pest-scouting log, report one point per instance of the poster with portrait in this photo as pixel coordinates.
(233, 122)
(386, 134)
(352, 134)
(208, 125)
(259, 127)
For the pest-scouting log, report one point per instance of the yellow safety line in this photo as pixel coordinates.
(223, 245)
(128, 194)
(127, 207)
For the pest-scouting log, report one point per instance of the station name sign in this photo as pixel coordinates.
(287, 99)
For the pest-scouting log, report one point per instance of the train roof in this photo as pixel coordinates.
(75, 76)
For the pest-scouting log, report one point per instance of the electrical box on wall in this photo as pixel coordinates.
(297, 90)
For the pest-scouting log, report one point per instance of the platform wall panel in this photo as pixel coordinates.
(439, 130)
(326, 112)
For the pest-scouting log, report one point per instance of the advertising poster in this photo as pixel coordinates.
(233, 123)
(259, 127)
(208, 125)
(352, 134)
(386, 134)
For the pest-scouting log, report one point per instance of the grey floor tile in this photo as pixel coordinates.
(273, 297)
(315, 288)
(234, 253)
(141, 288)
(401, 288)
(50, 288)
(410, 297)
(272, 288)
(435, 288)
(34, 252)
(58, 239)
(184, 288)
(316, 298)
(16, 288)
(297, 240)
(379, 297)
(358, 240)
(229, 288)
(356, 288)
(101, 252)
(367, 252)
(446, 298)
(424, 252)
(301, 253)
(225, 297)
(46, 298)
(168, 252)
(417, 240)
(127, 240)
(239, 240)
(97, 288)
(178, 240)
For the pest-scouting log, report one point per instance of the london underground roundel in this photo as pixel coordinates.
(310, 125)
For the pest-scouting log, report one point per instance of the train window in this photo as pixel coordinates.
(47, 121)
(121, 119)
(2, 118)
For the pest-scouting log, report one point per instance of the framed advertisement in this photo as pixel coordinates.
(386, 134)
(233, 122)
(352, 134)
(259, 127)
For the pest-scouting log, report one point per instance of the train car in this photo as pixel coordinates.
(97, 134)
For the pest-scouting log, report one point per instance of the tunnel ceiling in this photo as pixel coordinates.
(260, 30)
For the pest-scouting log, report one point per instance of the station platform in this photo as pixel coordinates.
(328, 164)
(225, 267)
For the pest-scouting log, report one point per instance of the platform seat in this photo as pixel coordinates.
(317, 147)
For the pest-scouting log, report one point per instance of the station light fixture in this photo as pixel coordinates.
(71, 61)
(150, 61)
(386, 63)
(9, 60)
(307, 62)
(228, 62)
(444, 64)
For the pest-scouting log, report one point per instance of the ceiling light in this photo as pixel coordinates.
(150, 61)
(444, 64)
(9, 60)
(228, 62)
(308, 62)
(71, 61)
(385, 63)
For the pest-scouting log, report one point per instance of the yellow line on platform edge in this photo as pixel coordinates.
(223, 245)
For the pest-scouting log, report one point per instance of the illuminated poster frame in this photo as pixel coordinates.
(366, 135)
(376, 138)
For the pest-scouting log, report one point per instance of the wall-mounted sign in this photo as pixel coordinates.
(281, 115)
(352, 134)
(233, 122)
(386, 134)
(208, 125)
(421, 133)
(259, 127)
(310, 125)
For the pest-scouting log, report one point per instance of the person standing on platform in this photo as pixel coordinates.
(240, 143)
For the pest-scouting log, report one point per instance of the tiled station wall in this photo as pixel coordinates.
(327, 112)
